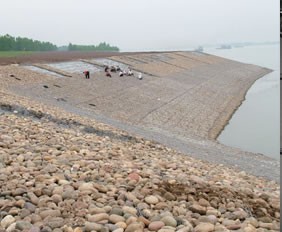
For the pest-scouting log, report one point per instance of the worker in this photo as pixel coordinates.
(130, 73)
(108, 74)
(86, 74)
(140, 76)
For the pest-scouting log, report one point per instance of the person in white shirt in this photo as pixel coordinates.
(140, 76)
(130, 73)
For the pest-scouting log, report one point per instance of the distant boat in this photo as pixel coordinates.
(199, 49)
(225, 47)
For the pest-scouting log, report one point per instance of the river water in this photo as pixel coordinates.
(255, 126)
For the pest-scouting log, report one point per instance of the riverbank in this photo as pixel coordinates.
(255, 125)
(64, 170)
(183, 108)
(70, 173)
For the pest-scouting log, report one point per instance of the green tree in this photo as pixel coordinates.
(9, 43)
(101, 47)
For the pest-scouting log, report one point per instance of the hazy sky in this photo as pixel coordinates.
(142, 24)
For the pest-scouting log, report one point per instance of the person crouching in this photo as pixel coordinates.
(108, 74)
(86, 74)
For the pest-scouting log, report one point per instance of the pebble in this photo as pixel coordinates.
(98, 217)
(7, 221)
(51, 213)
(116, 218)
(204, 227)
(92, 227)
(185, 229)
(203, 202)
(130, 210)
(198, 209)
(151, 200)
(119, 230)
(34, 229)
(166, 230)
(134, 176)
(156, 225)
(134, 227)
(169, 196)
(121, 225)
(23, 225)
(55, 222)
(233, 227)
(169, 221)
(209, 219)
(117, 211)
(78, 229)
(11, 227)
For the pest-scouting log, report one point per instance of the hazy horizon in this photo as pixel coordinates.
(142, 25)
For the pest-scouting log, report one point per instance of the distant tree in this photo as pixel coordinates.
(63, 48)
(9, 43)
(101, 47)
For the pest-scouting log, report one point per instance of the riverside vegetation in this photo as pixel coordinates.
(10, 43)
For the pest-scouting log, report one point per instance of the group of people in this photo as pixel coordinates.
(115, 69)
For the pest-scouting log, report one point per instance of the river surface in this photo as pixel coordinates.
(255, 126)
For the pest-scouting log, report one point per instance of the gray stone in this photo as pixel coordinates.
(169, 221)
(23, 225)
(55, 222)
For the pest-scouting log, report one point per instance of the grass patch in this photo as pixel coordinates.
(14, 53)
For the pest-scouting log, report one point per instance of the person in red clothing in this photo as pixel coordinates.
(87, 74)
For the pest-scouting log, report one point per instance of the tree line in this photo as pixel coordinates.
(10, 43)
(101, 47)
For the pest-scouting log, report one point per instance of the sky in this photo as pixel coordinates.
(135, 25)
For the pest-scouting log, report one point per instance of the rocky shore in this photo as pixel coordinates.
(61, 172)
